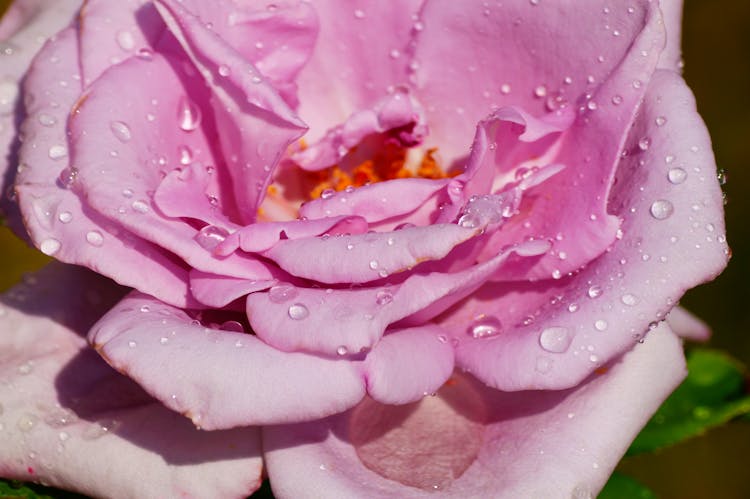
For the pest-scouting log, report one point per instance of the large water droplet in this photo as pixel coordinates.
(210, 236)
(594, 291)
(125, 40)
(50, 246)
(94, 238)
(555, 339)
(282, 293)
(57, 152)
(677, 175)
(188, 114)
(67, 177)
(485, 326)
(661, 209)
(298, 311)
(481, 211)
(120, 130)
(384, 297)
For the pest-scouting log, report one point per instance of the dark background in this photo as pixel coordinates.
(716, 44)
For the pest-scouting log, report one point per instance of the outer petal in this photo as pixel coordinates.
(220, 379)
(58, 221)
(23, 28)
(255, 125)
(688, 326)
(360, 52)
(69, 420)
(671, 58)
(470, 441)
(671, 207)
(469, 55)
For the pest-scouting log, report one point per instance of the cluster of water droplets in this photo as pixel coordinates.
(489, 209)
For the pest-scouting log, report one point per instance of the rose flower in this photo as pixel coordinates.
(376, 249)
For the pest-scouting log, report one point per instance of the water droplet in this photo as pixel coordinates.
(50, 246)
(94, 238)
(298, 311)
(58, 152)
(661, 209)
(540, 91)
(359, 14)
(573, 307)
(644, 144)
(67, 177)
(125, 40)
(120, 130)
(25, 368)
(617, 100)
(660, 120)
(485, 326)
(65, 217)
(342, 350)
(224, 70)
(555, 339)
(677, 175)
(600, 325)
(8, 95)
(384, 297)
(163, 340)
(234, 326)
(373, 264)
(505, 89)
(210, 236)
(27, 422)
(487, 209)
(188, 114)
(282, 293)
(594, 291)
(60, 417)
(327, 194)
(629, 299)
(394, 54)
(132, 344)
(46, 120)
(140, 206)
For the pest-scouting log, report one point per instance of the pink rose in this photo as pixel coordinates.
(411, 246)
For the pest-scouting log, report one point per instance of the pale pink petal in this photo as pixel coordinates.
(263, 236)
(246, 108)
(398, 110)
(408, 364)
(71, 421)
(557, 332)
(470, 441)
(367, 257)
(474, 57)
(23, 29)
(59, 222)
(111, 32)
(361, 52)
(376, 202)
(331, 321)
(687, 325)
(277, 40)
(671, 58)
(220, 379)
(218, 291)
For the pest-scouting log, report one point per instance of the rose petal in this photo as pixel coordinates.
(366, 257)
(408, 364)
(360, 53)
(23, 28)
(60, 223)
(469, 58)
(671, 58)
(470, 441)
(580, 322)
(396, 110)
(326, 321)
(220, 379)
(70, 419)
(218, 291)
(278, 41)
(686, 325)
(244, 105)
(377, 202)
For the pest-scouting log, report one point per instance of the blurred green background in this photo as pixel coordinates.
(716, 44)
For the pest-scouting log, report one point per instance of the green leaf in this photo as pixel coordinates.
(622, 486)
(16, 489)
(713, 393)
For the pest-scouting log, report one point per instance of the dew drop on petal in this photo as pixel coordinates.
(629, 299)
(282, 293)
(600, 325)
(65, 217)
(121, 131)
(660, 120)
(485, 326)
(68, 176)
(383, 297)
(57, 152)
(661, 209)
(298, 311)
(677, 175)
(50, 246)
(555, 339)
(94, 238)
(594, 291)
(644, 144)
(188, 114)
(211, 236)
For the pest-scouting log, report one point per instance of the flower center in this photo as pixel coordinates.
(388, 162)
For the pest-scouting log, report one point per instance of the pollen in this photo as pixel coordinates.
(389, 162)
